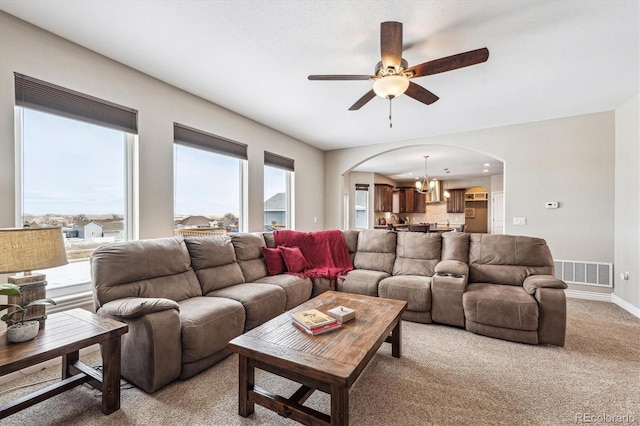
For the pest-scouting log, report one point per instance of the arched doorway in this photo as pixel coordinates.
(395, 173)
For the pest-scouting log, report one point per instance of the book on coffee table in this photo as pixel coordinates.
(318, 330)
(312, 318)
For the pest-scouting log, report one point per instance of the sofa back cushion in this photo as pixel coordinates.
(376, 250)
(248, 249)
(214, 261)
(417, 253)
(147, 268)
(507, 259)
(351, 239)
(455, 246)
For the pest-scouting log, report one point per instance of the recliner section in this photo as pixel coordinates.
(185, 299)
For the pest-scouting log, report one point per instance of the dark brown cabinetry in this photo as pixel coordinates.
(403, 200)
(418, 202)
(455, 203)
(382, 197)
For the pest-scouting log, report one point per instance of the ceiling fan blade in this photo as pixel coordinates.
(391, 44)
(450, 63)
(363, 100)
(339, 77)
(420, 94)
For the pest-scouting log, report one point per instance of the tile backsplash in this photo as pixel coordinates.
(435, 213)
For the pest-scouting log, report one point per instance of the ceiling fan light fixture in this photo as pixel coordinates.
(390, 86)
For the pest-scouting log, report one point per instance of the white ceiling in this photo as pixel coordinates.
(408, 163)
(548, 59)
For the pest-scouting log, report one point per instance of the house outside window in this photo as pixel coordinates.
(278, 178)
(208, 183)
(76, 172)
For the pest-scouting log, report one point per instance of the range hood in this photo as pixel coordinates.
(435, 194)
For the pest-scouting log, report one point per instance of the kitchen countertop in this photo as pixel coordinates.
(400, 225)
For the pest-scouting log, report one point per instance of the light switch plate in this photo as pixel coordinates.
(519, 220)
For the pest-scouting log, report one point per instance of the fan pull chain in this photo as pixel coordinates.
(390, 123)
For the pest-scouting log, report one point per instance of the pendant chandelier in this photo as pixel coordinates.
(425, 186)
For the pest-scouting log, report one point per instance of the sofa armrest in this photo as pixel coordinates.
(152, 349)
(134, 307)
(534, 282)
(552, 320)
(452, 267)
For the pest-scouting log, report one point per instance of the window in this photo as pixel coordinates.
(208, 182)
(278, 173)
(362, 206)
(76, 172)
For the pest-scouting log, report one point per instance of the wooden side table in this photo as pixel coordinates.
(64, 334)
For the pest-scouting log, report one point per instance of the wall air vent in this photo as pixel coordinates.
(599, 274)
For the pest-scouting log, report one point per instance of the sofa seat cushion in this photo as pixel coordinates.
(361, 281)
(413, 289)
(298, 289)
(208, 323)
(261, 301)
(500, 305)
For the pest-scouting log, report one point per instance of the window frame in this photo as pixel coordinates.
(277, 161)
(289, 216)
(131, 232)
(361, 188)
(243, 169)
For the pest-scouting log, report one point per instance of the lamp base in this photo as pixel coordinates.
(33, 287)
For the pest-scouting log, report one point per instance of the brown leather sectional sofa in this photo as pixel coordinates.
(185, 298)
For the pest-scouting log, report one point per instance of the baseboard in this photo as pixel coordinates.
(38, 367)
(633, 310)
(604, 297)
(589, 295)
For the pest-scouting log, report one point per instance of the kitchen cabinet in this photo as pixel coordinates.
(476, 196)
(403, 200)
(418, 202)
(455, 203)
(382, 197)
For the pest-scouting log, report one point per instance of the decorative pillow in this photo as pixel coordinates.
(294, 259)
(275, 262)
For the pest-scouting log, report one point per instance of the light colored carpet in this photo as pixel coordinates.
(446, 376)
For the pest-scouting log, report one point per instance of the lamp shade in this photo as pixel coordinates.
(390, 86)
(27, 249)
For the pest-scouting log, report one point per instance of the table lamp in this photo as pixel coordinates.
(24, 250)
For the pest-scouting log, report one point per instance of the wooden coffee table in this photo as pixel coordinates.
(329, 362)
(64, 334)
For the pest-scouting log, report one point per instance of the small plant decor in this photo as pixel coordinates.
(20, 330)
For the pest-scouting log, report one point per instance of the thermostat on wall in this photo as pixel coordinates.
(551, 204)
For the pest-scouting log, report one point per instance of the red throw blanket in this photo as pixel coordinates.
(326, 251)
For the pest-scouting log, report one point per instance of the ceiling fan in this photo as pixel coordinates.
(392, 74)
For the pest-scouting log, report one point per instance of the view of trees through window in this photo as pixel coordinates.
(208, 192)
(74, 176)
